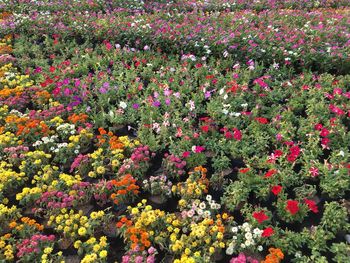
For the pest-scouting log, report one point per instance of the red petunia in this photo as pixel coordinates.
(260, 216)
(228, 135)
(205, 128)
(324, 132)
(270, 173)
(292, 206)
(267, 232)
(276, 189)
(262, 120)
(244, 170)
(318, 126)
(237, 134)
(312, 205)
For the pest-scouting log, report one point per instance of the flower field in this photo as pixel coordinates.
(175, 131)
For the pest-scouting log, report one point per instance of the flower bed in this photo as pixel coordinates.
(147, 137)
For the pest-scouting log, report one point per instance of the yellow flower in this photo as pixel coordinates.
(96, 248)
(77, 244)
(103, 254)
(211, 250)
(48, 250)
(82, 231)
(101, 170)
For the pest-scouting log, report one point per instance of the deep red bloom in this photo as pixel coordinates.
(276, 189)
(260, 216)
(270, 173)
(268, 232)
(318, 126)
(278, 153)
(262, 120)
(312, 205)
(324, 132)
(228, 135)
(292, 206)
(325, 141)
(237, 134)
(295, 150)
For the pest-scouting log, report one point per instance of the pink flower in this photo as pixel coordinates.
(199, 149)
(313, 171)
(186, 154)
(125, 259)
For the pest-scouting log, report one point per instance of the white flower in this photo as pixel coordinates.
(256, 231)
(122, 105)
(260, 248)
(248, 236)
(245, 225)
(202, 205)
(200, 212)
(229, 250)
(244, 105)
(224, 111)
(247, 243)
(209, 198)
(221, 91)
(225, 96)
(242, 246)
(341, 153)
(234, 229)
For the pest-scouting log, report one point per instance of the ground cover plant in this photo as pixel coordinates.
(174, 131)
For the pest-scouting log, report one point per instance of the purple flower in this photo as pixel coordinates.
(135, 106)
(156, 103)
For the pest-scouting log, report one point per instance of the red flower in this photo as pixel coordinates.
(276, 189)
(267, 232)
(205, 128)
(292, 206)
(325, 141)
(278, 153)
(312, 205)
(270, 173)
(244, 170)
(237, 134)
(262, 120)
(260, 216)
(318, 126)
(324, 132)
(228, 135)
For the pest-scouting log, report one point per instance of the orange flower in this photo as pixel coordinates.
(13, 224)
